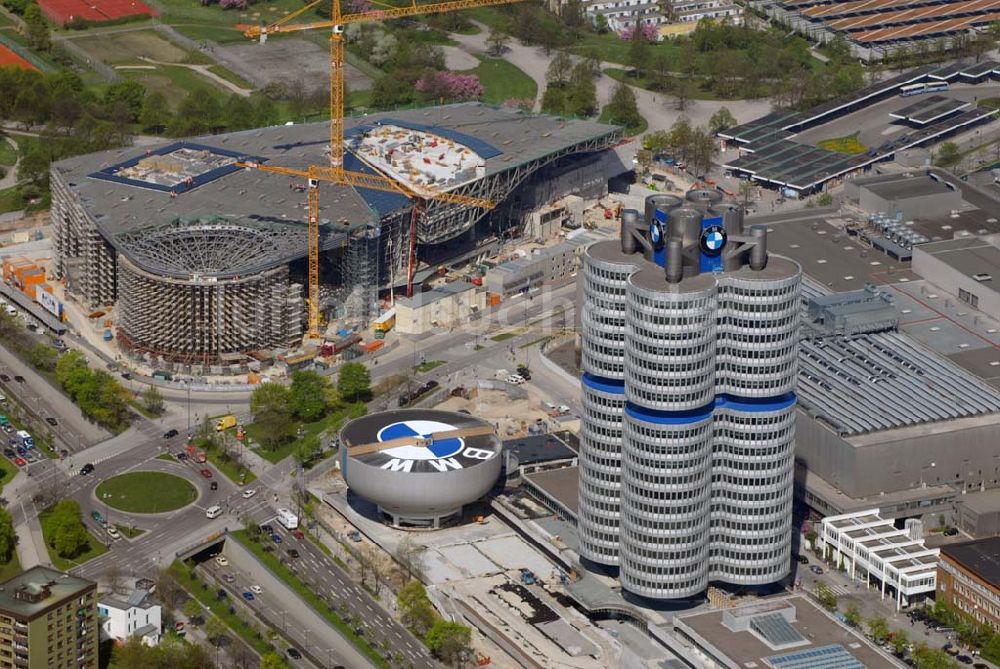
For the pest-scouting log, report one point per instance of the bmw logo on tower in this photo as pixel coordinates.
(713, 240)
(656, 234)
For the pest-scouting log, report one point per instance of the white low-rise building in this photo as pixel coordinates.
(685, 14)
(870, 547)
(136, 615)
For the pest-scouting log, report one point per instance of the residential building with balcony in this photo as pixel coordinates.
(48, 620)
(968, 579)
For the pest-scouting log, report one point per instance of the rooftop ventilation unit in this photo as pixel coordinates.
(982, 277)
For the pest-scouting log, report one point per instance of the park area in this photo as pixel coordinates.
(146, 492)
(161, 66)
(849, 144)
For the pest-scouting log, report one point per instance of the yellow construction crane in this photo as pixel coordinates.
(335, 172)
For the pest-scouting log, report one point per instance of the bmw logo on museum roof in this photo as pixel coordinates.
(713, 240)
(433, 450)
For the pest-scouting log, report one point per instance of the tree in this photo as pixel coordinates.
(496, 42)
(410, 556)
(309, 395)
(272, 661)
(130, 93)
(852, 616)
(931, 658)
(701, 152)
(581, 97)
(721, 120)
(38, 30)
(449, 641)
(559, 69)
(155, 113)
(657, 141)
(216, 630)
(354, 382)
(43, 357)
(152, 400)
(192, 609)
(638, 52)
(416, 609)
(825, 596)
(899, 642)
(8, 538)
(948, 155)
(622, 109)
(168, 590)
(270, 404)
(65, 531)
(878, 629)
(748, 191)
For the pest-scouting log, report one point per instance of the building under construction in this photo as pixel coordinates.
(206, 261)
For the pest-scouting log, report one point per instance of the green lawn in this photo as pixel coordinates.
(331, 422)
(990, 102)
(7, 472)
(167, 457)
(309, 595)
(848, 144)
(502, 81)
(630, 131)
(231, 77)
(63, 564)
(174, 82)
(146, 492)
(10, 569)
(698, 92)
(229, 467)
(8, 156)
(428, 365)
(504, 336)
(11, 200)
(201, 22)
(206, 596)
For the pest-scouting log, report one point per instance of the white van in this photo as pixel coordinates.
(288, 519)
(11, 311)
(213, 512)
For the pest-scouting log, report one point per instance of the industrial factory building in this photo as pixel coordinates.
(206, 260)
(688, 424)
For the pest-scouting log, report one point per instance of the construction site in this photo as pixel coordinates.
(197, 263)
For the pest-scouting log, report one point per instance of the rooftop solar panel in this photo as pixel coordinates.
(776, 631)
(833, 656)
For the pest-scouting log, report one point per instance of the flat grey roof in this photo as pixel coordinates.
(61, 587)
(972, 256)
(929, 109)
(511, 137)
(435, 294)
(562, 484)
(744, 648)
(903, 187)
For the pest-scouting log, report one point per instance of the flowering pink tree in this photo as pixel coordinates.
(358, 6)
(524, 104)
(646, 31)
(233, 4)
(450, 86)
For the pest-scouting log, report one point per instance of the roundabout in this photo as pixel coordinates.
(146, 492)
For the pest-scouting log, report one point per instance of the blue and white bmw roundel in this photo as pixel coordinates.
(655, 233)
(439, 448)
(713, 240)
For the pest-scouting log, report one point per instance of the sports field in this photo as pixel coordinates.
(10, 59)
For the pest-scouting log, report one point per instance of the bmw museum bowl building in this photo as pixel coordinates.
(420, 466)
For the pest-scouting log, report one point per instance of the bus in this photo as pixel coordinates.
(918, 89)
(288, 519)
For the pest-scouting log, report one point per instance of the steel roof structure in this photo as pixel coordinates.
(929, 109)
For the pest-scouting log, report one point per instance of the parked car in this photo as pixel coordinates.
(20, 462)
(515, 379)
(86, 469)
(299, 534)
(221, 561)
(19, 378)
(10, 452)
(276, 538)
(4, 378)
(267, 529)
(228, 578)
(207, 473)
(294, 654)
(256, 589)
(964, 659)
(51, 421)
(816, 570)
(8, 428)
(292, 553)
(802, 559)
(214, 485)
(170, 434)
(248, 596)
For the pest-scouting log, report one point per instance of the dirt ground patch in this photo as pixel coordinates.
(127, 47)
(286, 60)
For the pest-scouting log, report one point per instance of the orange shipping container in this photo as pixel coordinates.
(374, 345)
(33, 278)
(494, 299)
(29, 291)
